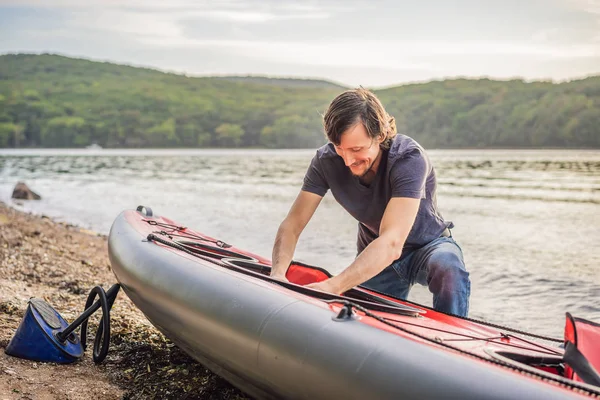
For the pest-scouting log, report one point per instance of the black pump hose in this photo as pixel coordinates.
(102, 339)
(100, 347)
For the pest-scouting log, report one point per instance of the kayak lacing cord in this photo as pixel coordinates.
(465, 337)
(548, 378)
(155, 238)
(175, 228)
(347, 310)
(490, 324)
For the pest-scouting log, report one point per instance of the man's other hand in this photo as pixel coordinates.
(324, 286)
(280, 277)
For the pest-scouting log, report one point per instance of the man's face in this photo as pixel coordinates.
(358, 150)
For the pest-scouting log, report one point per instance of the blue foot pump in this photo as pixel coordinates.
(44, 335)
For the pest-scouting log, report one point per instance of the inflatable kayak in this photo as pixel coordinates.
(277, 339)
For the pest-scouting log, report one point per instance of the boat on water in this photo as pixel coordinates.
(276, 339)
(94, 146)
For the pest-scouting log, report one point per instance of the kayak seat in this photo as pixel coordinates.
(582, 350)
(301, 274)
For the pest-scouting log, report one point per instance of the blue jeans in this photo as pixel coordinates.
(438, 265)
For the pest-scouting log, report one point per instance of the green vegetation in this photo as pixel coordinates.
(55, 101)
(486, 113)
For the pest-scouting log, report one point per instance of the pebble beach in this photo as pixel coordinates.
(61, 263)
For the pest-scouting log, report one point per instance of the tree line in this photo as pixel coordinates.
(55, 101)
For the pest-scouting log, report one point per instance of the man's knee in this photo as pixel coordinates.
(447, 273)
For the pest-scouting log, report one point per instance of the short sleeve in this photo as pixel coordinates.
(314, 180)
(409, 174)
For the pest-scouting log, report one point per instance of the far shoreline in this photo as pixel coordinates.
(267, 149)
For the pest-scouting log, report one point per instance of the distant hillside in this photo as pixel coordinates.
(55, 101)
(286, 82)
(487, 113)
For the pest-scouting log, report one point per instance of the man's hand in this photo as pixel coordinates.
(324, 286)
(279, 277)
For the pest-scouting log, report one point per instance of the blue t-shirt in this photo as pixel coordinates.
(404, 171)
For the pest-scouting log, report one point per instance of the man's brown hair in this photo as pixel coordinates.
(354, 106)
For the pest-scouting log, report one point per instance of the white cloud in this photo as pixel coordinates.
(377, 53)
(590, 7)
(228, 9)
(163, 30)
(256, 16)
(155, 4)
(546, 35)
(142, 25)
(329, 35)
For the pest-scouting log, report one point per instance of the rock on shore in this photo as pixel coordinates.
(23, 192)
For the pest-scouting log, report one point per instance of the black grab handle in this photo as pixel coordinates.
(148, 210)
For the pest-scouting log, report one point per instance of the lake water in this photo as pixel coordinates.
(528, 221)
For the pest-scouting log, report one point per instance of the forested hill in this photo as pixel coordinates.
(56, 101)
(290, 82)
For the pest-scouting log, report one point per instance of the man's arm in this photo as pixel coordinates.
(397, 221)
(289, 231)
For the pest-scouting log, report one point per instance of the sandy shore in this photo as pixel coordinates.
(61, 263)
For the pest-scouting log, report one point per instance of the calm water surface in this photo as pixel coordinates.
(528, 221)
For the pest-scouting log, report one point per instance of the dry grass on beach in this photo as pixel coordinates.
(61, 263)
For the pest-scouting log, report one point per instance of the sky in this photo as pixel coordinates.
(374, 43)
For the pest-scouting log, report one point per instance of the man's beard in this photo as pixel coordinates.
(364, 173)
(368, 170)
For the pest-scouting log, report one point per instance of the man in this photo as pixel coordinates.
(386, 182)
